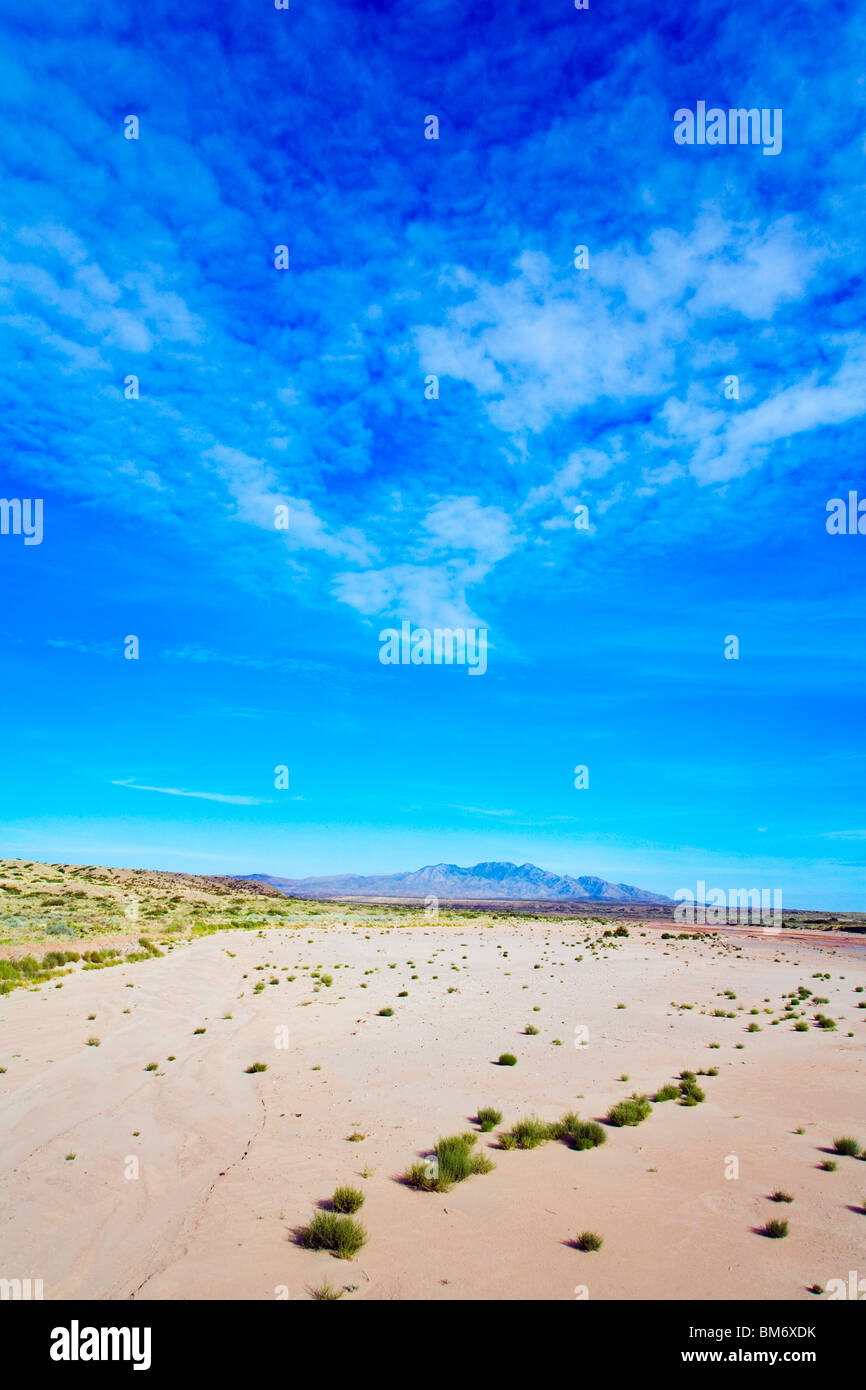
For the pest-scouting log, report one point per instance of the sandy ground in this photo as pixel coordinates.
(230, 1164)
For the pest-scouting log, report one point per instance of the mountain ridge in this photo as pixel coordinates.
(489, 879)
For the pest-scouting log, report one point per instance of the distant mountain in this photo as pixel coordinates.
(493, 880)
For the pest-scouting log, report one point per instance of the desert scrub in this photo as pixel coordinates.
(581, 1134)
(488, 1118)
(453, 1161)
(507, 1059)
(529, 1133)
(347, 1200)
(385, 1013)
(588, 1240)
(829, 1166)
(668, 1092)
(530, 1030)
(848, 1147)
(93, 1042)
(257, 1066)
(691, 1093)
(152, 1066)
(339, 1234)
(776, 1230)
(780, 1196)
(629, 1112)
(326, 1294)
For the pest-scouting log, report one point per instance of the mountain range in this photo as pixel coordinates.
(480, 881)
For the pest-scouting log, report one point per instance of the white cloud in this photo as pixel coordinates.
(428, 596)
(256, 492)
(201, 796)
(547, 343)
(726, 443)
(462, 523)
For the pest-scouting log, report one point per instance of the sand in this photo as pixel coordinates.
(230, 1164)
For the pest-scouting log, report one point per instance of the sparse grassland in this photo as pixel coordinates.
(356, 1072)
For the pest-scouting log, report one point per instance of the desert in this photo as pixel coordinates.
(172, 1124)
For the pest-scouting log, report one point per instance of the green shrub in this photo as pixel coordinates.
(257, 1066)
(582, 1134)
(340, 1234)
(507, 1059)
(325, 1294)
(691, 1093)
(531, 1132)
(52, 959)
(453, 1161)
(630, 1112)
(386, 1013)
(776, 1230)
(668, 1092)
(488, 1118)
(780, 1196)
(347, 1200)
(588, 1240)
(848, 1147)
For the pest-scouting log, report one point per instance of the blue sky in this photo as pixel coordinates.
(557, 387)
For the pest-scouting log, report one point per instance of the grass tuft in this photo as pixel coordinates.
(530, 1132)
(588, 1240)
(347, 1200)
(630, 1112)
(848, 1147)
(582, 1134)
(668, 1092)
(488, 1118)
(453, 1161)
(339, 1234)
